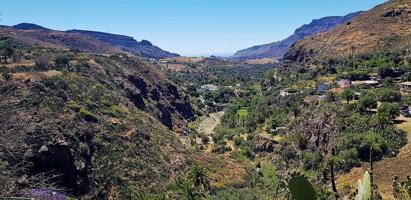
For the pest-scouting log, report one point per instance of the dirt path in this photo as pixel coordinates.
(386, 169)
(207, 127)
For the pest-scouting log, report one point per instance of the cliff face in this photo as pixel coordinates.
(278, 49)
(386, 27)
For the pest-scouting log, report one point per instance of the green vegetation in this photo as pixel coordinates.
(125, 135)
(6, 50)
(301, 189)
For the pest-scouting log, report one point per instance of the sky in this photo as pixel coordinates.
(187, 27)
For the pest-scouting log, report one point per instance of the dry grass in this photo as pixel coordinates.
(261, 61)
(27, 63)
(223, 171)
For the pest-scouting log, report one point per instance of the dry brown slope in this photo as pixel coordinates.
(385, 27)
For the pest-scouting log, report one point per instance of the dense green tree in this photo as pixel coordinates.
(388, 95)
(366, 102)
(391, 110)
(386, 71)
(347, 95)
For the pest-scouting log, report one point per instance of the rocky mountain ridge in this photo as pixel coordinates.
(278, 49)
(88, 41)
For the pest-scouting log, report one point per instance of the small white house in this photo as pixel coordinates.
(207, 88)
(405, 86)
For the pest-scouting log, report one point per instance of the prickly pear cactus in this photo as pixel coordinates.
(364, 188)
(301, 188)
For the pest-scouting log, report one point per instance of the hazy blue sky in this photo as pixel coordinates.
(188, 27)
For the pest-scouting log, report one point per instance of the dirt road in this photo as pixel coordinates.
(208, 125)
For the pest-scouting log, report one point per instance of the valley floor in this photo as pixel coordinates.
(386, 169)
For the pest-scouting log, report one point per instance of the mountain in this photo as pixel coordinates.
(386, 27)
(278, 49)
(28, 26)
(88, 41)
(58, 39)
(128, 44)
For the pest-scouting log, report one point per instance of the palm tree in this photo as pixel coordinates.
(199, 177)
(185, 191)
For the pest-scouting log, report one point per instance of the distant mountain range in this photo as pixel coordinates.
(385, 28)
(278, 49)
(89, 41)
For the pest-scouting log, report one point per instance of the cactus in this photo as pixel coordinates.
(301, 188)
(364, 187)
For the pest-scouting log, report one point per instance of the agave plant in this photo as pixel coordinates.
(364, 188)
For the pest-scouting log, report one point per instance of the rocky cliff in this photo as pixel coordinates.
(278, 49)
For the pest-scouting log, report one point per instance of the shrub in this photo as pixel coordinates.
(347, 158)
(87, 115)
(238, 141)
(289, 153)
(42, 64)
(205, 139)
(62, 61)
(7, 76)
(311, 160)
(357, 75)
(269, 176)
(406, 76)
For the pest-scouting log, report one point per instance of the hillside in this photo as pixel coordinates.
(96, 126)
(386, 27)
(57, 39)
(88, 41)
(128, 44)
(278, 49)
